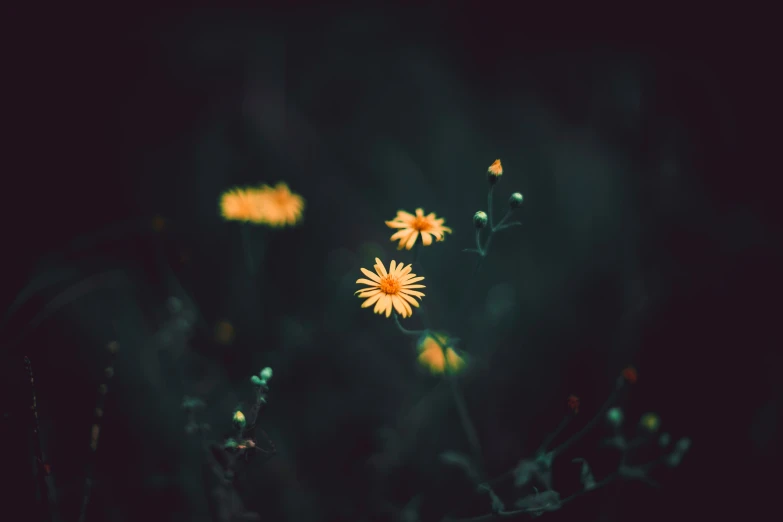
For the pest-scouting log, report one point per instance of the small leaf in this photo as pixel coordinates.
(458, 459)
(547, 501)
(586, 475)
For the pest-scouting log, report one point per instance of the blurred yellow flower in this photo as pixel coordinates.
(411, 226)
(394, 288)
(224, 332)
(271, 206)
(241, 204)
(279, 206)
(437, 356)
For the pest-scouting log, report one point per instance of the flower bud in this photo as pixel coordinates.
(664, 440)
(266, 373)
(615, 417)
(480, 219)
(239, 420)
(256, 380)
(515, 201)
(650, 421)
(494, 172)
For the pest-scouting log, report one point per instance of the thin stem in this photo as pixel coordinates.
(41, 472)
(551, 437)
(404, 330)
(502, 221)
(467, 424)
(570, 442)
(103, 389)
(489, 206)
(478, 242)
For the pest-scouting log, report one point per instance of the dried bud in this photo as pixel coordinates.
(480, 219)
(515, 201)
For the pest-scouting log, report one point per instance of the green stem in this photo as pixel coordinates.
(489, 206)
(404, 330)
(467, 424)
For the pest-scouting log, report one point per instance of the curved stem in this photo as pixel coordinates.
(405, 330)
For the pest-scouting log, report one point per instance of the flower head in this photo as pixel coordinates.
(411, 226)
(437, 356)
(394, 288)
(279, 206)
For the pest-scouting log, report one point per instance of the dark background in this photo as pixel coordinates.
(641, 147)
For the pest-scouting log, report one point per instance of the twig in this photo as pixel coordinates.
(43, 473)
(108, 372)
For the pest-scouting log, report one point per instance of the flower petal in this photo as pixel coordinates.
(371, 275)
(411, 240)
(409, 299)
(369, 302)
(380, 268)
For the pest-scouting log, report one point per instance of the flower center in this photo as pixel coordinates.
(389, 285)
(421, 223)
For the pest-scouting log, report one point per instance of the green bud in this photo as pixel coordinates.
(239, 420)
(683, 444)
(480, 219)
(515, 201)
(256, 380)
(615, 417)
(266, 373)
(664, 440)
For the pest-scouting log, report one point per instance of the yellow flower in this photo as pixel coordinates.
(437, 356)
(411, 226)
(264, 205)
(496, 169)
(394, 288)
(241, 204)
(279, 206)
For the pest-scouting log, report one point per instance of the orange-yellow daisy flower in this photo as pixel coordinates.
(411, 226)
(241, 204)
(394, 288)
(437, 356)
(496, 169)
(279, 206)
